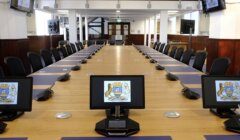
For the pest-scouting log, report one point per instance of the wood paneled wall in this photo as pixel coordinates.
(224, 48)
(20, 47)
(198, 42)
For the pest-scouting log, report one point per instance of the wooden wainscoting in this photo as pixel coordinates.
(224, 48)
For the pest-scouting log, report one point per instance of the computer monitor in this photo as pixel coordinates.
(113, 92)
(221, 94)
(15, 97)
(108, 91)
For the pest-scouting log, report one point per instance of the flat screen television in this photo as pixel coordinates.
(22, 5)
(213, 5)
(108, 91)
(187, 26)
(221, 93)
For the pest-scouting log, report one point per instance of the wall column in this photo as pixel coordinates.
(145, 32)
(80, 28)
(72, 26)
(155, 28)
(163, 26)
(86, 28)
(149, 32)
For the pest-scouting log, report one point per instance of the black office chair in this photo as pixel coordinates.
(186, 57)
(69, 49)
(90, 42)
(220, 66)
(178, 54)
(1, 73)
(35, 61)
(47, 56)
(155, 45)
(15, 66)
(78, 46)
(100, 42)
(64, 52)
(167, 47)
(173, 51)
(56, 54)
(119, 42)
(111, 42)
(199, 60)
(158, 46)
(73, 48)
(161, 47)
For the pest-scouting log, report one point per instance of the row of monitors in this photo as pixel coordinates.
(126, 91)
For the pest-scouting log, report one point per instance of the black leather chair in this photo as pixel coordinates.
(178, 54)
(111, 42)
(220, 66)
(161, 48)
(119, 42)
(167, 47)
(47, 56)
(69, 49)
(64, 52)
(186, 57)
(35, 61)
(155, 45)
(1, 73)
(73, 48)
(158, 46)
(100, 42)
(173, 51)
(56, 54)
(90, 42)
(78, 46)
(199, 60)
(15, 66)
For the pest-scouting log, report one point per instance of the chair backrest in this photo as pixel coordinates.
(166, 49)
(56, 54)
(35, 61)
(158, 46)
(90, 42)
(73, 47)
(199, 60)
(178, 54)
(47, 56)
(220, 66)
(155, 45)
(173, 51)
(111, 42)
(1, 73)
(100, 42)
(186, 57)
(161, 47)
(15, 66)
(69, 49)
(64, 52)
(78, 46)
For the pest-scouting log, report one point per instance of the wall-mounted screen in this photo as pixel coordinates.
(22, 5)
(213, 5)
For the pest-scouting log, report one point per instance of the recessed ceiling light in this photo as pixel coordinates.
(118, 11)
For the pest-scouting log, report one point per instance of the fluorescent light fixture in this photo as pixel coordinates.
(172, 11)
(118, 11)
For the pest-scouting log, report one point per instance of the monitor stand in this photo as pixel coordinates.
(112, 112)
(10, 116)
(223, 112)
(117, 125)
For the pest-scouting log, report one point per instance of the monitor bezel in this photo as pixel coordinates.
(125, 107)
(8, 107)
(223, 105)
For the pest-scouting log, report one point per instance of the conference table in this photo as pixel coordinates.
(161, 95)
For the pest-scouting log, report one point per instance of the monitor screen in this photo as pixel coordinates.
(22, 5)
(108, 91)
(16, 94)
(213, 5)
(187, 26)
(221, 92)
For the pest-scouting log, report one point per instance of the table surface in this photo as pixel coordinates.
(73, 96)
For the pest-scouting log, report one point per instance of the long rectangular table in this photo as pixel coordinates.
(72, 96)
